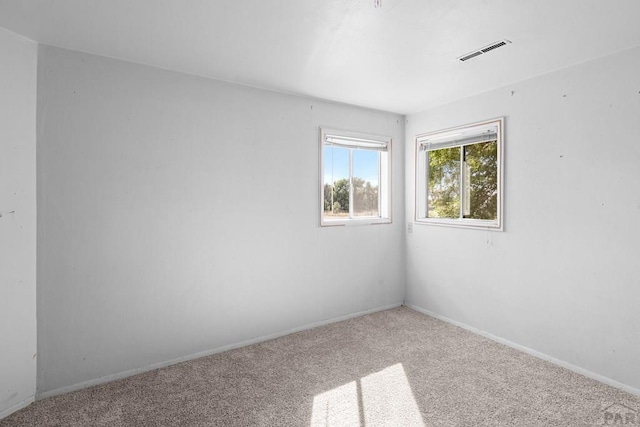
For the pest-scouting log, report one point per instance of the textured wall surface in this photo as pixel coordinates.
(563, 278)
(18, 68)
(178, 215)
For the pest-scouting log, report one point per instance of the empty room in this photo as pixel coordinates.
(319, 213)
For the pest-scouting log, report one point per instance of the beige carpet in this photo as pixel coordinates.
(395, 368)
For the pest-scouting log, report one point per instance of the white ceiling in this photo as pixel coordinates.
(400, 57)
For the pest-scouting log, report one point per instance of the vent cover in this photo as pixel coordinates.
(483, 50)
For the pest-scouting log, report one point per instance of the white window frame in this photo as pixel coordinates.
(457, 137)
(354, 141)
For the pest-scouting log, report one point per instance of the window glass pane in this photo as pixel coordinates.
(443, 193)
(366, 176)
(459, 176)
(336, 182)
(481, 181)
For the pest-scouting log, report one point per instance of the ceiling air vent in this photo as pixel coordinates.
(483, 50)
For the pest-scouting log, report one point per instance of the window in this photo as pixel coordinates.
(459, 176)
(355, 178)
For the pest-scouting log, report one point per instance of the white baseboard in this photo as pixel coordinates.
(6, 412)
(532, 352)
(120, 375)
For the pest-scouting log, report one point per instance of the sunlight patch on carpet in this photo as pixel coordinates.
(337, 407)
(381, 398)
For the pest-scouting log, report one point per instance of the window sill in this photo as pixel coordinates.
(476, 224)
(354, 222)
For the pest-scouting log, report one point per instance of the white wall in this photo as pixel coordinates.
(178, 214)
(564, 277)
(18, 65)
